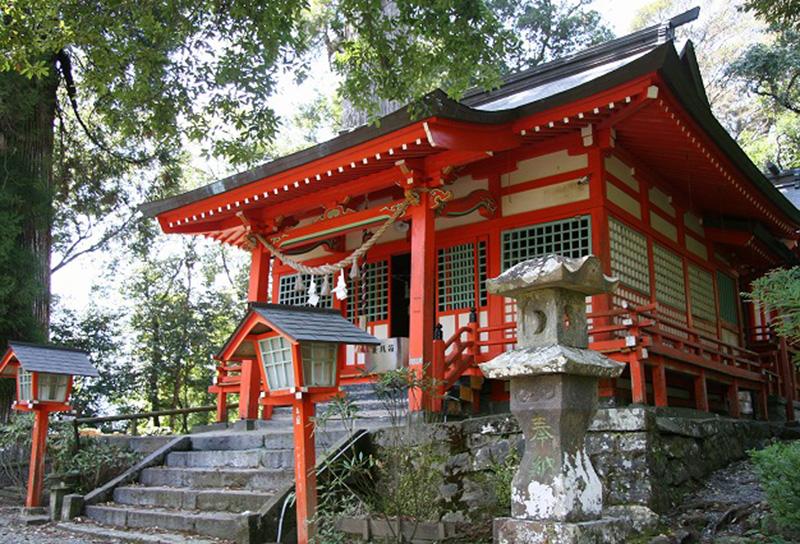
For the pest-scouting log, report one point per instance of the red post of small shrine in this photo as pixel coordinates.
(304, 469)
(36, 470)
(250, 390)
(423, 271)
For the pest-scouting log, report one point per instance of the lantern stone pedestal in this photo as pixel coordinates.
(556, 495)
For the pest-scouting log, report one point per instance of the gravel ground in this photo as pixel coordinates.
(730, 508)
(14, 531)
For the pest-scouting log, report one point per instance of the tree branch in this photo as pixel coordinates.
(65, 63)
(68, 258)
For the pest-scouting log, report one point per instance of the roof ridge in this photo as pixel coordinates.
(623, 46)
(293, 308)
(59, 347)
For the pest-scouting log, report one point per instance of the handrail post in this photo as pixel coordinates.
(472, 335)
(786, 372)
(635, 361)
(438, 369)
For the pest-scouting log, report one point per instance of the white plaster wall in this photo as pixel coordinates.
(544, 166)
(548, 196)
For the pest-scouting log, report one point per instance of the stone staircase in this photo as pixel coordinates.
(213, 487)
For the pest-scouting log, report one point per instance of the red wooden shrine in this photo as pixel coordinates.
(613, 151)
(44, 375)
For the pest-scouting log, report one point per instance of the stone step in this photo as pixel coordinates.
(267, 458)
(100, 533)
(207, 500)
(217, 524)
(238, 478)
(281, 438)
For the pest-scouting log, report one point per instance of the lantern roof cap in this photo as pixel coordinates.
(52, 359)
(302, 323)
(299, 324)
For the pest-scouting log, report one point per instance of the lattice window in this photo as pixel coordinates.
(568, 237)
(670, 285)
(289, 294)
(52, 387)
(319, 363)
(25, 384)
(728, 298)
(277, 356)
(482, 274)
(376, 286)
(701, 291)
(629, 256)
(457, 266)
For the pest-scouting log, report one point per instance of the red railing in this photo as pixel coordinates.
(644, 338)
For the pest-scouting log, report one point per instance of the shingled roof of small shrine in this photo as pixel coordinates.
(52, 359)
(304, 323)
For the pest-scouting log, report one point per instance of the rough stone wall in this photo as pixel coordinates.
(646, 457)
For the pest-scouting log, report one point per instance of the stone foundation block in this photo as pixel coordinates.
(601, 531)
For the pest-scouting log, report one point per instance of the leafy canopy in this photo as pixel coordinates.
(154, 70)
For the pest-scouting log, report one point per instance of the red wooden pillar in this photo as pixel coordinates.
(763, 405)
(438, 370)
(423, 270)
(733, 399)
(304, 469)
(36, 469)
(259, 275)
(637, 367)
(249, 390)
(659, 375)
(222, 407)
(701, 392)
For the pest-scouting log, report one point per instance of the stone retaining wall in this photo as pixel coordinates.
(646, 457)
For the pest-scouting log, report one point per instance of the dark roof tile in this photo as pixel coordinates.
(52, 359)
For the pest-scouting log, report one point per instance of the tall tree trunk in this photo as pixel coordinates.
(27, 115)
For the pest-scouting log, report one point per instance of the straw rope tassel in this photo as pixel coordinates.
(411, 198)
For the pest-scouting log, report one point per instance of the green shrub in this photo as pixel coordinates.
(94, 464)
(778, 468)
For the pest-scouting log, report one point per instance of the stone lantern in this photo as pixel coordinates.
(556, 494)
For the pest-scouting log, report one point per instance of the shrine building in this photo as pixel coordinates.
(613, 151)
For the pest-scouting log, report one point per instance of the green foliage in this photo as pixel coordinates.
(98, 332)
(87, 468)
(783, 13)
(778, 467)
(339, 494)
(771, 69)
(94, 464)
(548, 29)
(779, 290)
(181, 315)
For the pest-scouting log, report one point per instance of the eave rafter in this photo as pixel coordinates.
(723, 167)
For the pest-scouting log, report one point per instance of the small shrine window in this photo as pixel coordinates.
(462, 276)
(728, 298)
(567, 237)
(629, 260)
(25, 380)
(52, 387)
(294, 294)
(373, 302)
(319, 363)
(276, 353)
